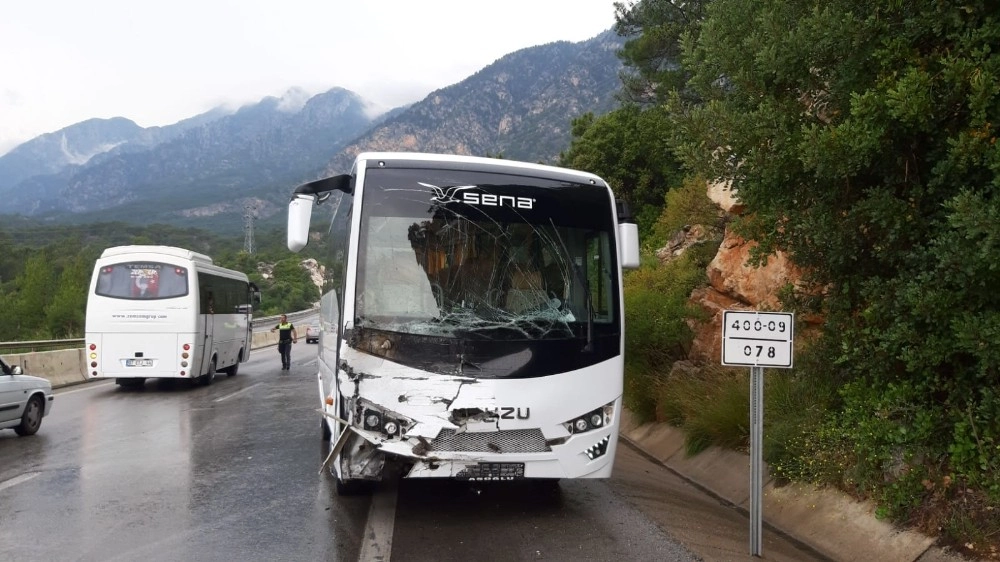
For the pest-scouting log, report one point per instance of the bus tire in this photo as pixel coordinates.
(208, 377)
(233, 369)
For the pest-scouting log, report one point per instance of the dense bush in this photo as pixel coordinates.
(657, 334)
(861, 140)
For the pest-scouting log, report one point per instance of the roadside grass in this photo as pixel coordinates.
(656, 319)
(710, 404)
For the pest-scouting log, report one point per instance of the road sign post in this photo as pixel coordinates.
(757, 340)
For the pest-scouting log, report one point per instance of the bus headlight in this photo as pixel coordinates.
(592, 420)
(383, 422)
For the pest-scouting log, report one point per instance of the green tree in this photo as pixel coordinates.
(290, 289)
(33, 289)
(629, 149)
(651, 54)
(65, 314)
(862, 139)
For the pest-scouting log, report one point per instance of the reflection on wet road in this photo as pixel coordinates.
(172, 472)
(230, 472)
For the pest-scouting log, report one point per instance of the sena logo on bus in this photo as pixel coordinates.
(444, 195)
(493, 200)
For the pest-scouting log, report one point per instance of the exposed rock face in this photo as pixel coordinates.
(723, 196)
(316, 271)
(757, 287)
(683, 239)
(733, 284)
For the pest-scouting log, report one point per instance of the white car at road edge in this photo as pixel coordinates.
(24, 400)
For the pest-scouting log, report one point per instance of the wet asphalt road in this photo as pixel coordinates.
(230, 472)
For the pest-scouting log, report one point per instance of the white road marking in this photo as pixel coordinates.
(237, 393)
(18, 480)
(376, 545)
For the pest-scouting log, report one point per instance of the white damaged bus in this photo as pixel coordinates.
(472, 326)
(166, 312)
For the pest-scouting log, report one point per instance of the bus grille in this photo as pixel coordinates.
(513, 441)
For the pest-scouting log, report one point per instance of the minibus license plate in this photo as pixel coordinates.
(138, 362)
(492, 471)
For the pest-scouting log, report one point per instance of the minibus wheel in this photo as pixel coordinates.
(208, 377)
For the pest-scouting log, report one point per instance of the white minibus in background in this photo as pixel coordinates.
(472, 327)
(165, 312)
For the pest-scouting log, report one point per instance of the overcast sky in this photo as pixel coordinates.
(65, 61)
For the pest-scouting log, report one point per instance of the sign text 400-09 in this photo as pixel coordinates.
(759, 326)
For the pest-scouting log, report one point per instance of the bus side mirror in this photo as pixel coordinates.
(299, 215)
(628, 247)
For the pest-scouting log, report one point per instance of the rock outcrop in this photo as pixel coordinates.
(732, 283)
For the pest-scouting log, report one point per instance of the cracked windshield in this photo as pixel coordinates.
(447, 257)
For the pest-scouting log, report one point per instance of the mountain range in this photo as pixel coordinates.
(210, 170)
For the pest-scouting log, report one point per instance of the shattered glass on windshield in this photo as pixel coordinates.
(479, 261)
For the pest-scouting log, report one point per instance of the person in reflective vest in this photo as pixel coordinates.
(286, 337)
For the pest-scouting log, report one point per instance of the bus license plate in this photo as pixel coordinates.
(492, 471)
(138, 362)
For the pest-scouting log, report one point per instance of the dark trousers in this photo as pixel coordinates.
(285, 349)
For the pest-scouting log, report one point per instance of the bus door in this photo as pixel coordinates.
(253, 300)
(207, 309)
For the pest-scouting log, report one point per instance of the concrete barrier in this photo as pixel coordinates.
(263, 339)
(61, 368)
(69, 366)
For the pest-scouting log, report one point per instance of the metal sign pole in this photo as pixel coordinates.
(756, 457)
(757, 340)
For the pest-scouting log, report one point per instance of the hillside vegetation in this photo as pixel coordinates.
(862, 140)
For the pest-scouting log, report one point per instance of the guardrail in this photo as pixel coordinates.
(268, 322)
(39, 345)
(73, 343)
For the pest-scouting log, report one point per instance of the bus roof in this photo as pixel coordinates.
(481, 161)
(163, 250)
